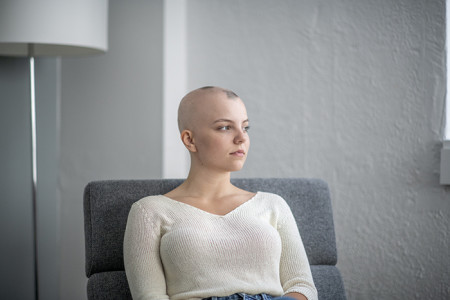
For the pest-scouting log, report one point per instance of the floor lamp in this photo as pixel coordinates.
(30, 28)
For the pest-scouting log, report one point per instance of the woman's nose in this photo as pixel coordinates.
(240, 137)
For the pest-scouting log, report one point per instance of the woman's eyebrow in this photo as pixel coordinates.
(222, 120)
(227, 120)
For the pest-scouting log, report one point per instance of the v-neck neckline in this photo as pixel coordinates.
(237, 208)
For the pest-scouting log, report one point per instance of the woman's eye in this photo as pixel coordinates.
(228, 127)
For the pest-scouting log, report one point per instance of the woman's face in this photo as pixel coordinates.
(220, 133)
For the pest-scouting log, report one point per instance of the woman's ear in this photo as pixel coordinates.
(188, 140)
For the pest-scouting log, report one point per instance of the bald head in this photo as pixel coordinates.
(189, 108)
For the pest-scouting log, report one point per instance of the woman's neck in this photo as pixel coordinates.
(208, 184)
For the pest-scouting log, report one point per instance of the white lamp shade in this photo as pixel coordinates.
(53, 27)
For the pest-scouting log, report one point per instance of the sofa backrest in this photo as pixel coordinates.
(107, 203)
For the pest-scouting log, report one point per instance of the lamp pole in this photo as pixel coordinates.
(34, 173)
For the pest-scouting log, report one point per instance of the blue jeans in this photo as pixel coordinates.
(243, 296)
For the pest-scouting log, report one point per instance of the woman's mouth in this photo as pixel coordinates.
(238, 153)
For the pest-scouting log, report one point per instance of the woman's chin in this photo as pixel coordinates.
(237, 167)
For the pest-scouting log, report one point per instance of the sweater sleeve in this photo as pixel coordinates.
(295, 271)
(143, 266)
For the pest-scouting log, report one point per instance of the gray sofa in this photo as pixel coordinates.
(107, 203)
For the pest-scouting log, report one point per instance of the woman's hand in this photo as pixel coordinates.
(297, 296)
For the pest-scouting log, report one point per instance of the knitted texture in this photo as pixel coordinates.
(174, 250)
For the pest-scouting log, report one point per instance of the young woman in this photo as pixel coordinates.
(208, 239)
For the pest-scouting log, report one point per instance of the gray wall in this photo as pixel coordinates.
(351, 92)
(16, 222)
(110, 122)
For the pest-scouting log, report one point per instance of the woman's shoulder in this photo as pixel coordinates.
(155, 210)
(156, 203)
(272, 200)
(272, 197)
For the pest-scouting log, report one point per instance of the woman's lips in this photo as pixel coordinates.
(239, 153)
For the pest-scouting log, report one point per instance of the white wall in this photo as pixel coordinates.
(350, 91)
(175, 157)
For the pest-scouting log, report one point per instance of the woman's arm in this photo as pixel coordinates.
(295, 271)
(142, 261)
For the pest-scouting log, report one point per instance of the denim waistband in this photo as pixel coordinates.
(242, 296)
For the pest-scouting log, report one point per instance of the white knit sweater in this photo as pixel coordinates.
(173, 250)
